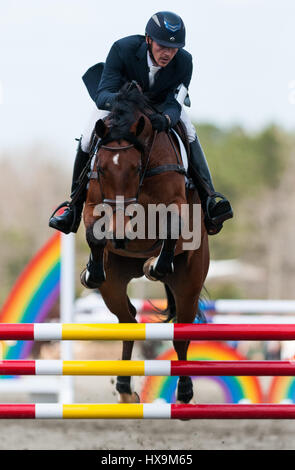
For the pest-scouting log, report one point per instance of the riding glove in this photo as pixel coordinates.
(159, 122)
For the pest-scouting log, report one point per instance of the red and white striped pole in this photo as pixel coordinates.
(148, 368)
(145, 411)
(145, 331)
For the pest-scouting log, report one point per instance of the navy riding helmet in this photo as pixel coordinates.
(167, 29)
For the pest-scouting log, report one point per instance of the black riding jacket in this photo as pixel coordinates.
(127, 61)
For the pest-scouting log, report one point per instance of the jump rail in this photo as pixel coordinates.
(145, 411)
(145, 331)
(148, 368)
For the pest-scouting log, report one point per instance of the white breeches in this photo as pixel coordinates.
(190, 130)
(97, 114)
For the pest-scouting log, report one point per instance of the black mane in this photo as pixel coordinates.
(127, 104)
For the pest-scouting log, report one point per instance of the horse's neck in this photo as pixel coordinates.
(163, 151)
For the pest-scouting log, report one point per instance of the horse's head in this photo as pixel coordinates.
(125, 140)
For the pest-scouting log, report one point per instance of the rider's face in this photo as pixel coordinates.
(163, 55)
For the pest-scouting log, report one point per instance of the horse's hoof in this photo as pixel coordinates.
(147, 269)
(150, 272)
(129, 398)
(85, 278)
(180, 402)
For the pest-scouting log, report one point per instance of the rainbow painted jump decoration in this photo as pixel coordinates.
(34, 294)
(234, 388)
(49, 276)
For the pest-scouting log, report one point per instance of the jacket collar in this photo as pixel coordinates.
(143, 68)
(141, 51)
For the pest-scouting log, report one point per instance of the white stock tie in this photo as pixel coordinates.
(153, 70)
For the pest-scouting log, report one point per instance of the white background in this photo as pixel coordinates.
(243, 53)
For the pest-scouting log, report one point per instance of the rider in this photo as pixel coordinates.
(163, 69)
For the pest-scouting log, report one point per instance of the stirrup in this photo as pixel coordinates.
(71, 207)
(215, 224)
(228, 212)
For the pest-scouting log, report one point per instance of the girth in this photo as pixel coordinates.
(163, 168)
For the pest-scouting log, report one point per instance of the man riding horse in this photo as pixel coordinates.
(163, 70)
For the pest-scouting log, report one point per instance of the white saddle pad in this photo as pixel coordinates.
(183, 154)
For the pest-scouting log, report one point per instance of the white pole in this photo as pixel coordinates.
(67, 297)
(254, 306)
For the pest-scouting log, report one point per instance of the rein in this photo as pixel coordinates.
(115, 149)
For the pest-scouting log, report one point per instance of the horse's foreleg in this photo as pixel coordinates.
(156, 268)
(186, 308)
(94, 274)
(185, 391)
(123, 385)
(113, 291)
(186, 285)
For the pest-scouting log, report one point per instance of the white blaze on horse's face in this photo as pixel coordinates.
(116, 159)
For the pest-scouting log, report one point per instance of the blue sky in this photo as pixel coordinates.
(243, 51)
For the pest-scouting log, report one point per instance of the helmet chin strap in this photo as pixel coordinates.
(150, 51)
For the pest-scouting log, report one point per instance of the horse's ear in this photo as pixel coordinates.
(100, 128)
(140, 126)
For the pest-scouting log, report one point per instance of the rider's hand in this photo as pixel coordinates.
(159, 122)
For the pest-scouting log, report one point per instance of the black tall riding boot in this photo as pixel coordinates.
(216, 207)
(70, 220)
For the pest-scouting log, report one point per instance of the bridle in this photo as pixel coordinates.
(113, 202)
(143, 170)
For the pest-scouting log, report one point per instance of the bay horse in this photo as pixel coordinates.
(144, 166)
